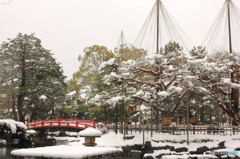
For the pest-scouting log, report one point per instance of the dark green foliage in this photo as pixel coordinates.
(36, 79)
(198, 52)
(7, 134)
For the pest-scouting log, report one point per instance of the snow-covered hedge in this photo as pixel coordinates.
(12, 125)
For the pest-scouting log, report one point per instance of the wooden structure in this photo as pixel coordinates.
(61, 124)
(182, 129)
(166, 121)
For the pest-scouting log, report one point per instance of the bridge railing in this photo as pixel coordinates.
(68, 123)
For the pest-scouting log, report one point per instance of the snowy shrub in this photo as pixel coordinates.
(102, 128)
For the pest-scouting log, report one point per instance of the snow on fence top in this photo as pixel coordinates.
(12, 124)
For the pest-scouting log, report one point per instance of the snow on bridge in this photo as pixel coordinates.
(61, 124)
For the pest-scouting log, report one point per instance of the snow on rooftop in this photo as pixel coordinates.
(12, 124)
(90, 132)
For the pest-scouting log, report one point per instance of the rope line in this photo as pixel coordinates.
(217, 39)
(169, 31)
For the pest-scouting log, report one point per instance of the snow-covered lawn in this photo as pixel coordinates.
(161, 139)
(111, 142)
(63, 151)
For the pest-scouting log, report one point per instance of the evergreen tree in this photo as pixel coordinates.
(152, 81)
(36, 79)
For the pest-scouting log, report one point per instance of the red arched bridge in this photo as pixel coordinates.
(61, 124)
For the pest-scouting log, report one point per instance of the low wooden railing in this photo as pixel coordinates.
(181, 129)
(64, 123)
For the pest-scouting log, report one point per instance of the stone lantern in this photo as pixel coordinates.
(90, 134)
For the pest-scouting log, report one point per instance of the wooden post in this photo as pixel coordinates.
(197, 109)
(124, 121)
(116, 118)
(142, 121)
(177, 121)
(151, 120)
(187, 102)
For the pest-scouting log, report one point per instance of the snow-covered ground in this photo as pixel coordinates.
(161, 139)
(63, 151)
(112, 142)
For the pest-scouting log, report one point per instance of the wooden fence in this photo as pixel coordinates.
(181, 129)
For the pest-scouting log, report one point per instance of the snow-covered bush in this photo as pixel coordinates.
(102, 128)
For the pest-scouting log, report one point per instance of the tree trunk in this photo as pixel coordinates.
(157, 116)
(53, 110)
(15, 117)
(197, 109)
(21, 93)
(19, 106)
(235, 96)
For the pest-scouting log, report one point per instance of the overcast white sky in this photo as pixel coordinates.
(68, 26)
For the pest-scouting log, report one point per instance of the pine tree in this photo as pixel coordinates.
(36, 78)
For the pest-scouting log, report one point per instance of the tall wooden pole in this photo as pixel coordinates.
(116, 118)
(122, 44)
(234, 91)
(187, 102)
(157, 43)
(229, 27)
